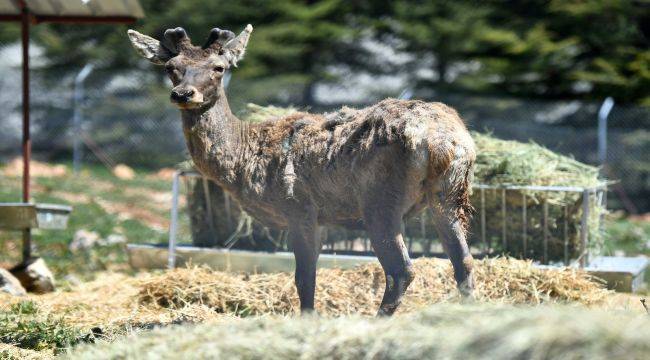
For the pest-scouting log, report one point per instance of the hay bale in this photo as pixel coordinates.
(448, 331)
(502, 162)
(359, 290)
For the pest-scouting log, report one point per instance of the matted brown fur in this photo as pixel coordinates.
(369, 168)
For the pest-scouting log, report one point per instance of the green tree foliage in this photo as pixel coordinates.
(533, 48)
(528, 48)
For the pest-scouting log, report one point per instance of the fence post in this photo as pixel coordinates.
(173, 225)
(79, 93)
(584, 232)
(603, 114)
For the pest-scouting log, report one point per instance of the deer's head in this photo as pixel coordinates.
(196, 72)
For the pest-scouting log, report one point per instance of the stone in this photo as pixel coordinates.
(35, 276)
(123, 172)
(11, 285)
(114, 239)
(83, 240)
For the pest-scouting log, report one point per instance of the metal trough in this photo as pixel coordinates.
(620, 273)
(623, 274)
(157, 256)
(21, 216)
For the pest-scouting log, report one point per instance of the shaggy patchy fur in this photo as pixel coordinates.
(367, 168)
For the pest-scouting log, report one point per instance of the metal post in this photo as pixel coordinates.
(171, 259)
(524, 220)
(583, 228)
(27, 142)
(483, 226)
(503, 224)
(545, 207)
(603, 113)
(566, 236)
(79, 92)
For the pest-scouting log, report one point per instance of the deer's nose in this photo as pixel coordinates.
(182, 95)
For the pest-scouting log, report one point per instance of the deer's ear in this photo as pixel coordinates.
(150, 48)
(236, 47)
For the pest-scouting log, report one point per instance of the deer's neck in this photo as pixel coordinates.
(215, 139)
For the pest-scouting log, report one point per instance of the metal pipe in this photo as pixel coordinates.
(583, 229)
(538, 188)
(483, 225)
(503, 223)
(524, 219)
(79, 92)
(27, 141)
(545, 207)
(566, 236)
(603, 114)
(171, 259)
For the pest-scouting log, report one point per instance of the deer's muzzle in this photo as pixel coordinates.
(186, 97)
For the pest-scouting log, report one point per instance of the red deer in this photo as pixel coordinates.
(368, 168)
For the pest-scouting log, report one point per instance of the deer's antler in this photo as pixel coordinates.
(178, 39)
(219, 37)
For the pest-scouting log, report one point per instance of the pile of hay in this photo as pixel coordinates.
(440, 332)
(502, 162)
(359, 290)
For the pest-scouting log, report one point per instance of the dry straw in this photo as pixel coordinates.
(359, 291)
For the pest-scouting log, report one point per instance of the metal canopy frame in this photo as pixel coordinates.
(53, 11)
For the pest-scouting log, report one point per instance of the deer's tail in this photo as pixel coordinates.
(453, 169)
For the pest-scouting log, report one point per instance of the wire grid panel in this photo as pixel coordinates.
(520, 221)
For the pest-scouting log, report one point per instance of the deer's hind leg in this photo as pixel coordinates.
(384, 229)
(451, 210)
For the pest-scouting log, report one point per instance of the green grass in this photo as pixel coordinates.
(23, 326)
(630, 236)
(94, 185)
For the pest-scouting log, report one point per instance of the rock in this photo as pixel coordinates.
(11, 285)
(35, 276)
(83, 240)
(114, 239)
(123, 172)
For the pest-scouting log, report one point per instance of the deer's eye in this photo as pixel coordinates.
(218, 69)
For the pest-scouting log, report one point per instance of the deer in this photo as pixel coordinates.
(368, 168)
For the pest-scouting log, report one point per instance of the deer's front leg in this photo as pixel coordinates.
(306, 248)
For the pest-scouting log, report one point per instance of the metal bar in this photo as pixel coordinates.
(524, 219)
(603, 114)
(27, 141)
(566, 236)
(84, 19)
(545, 206)
(483, 225)
(539, 188)
(70, 19)
(79, 94)
(11, 18)
(503, 223)
(583, 229)
(171, 259)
